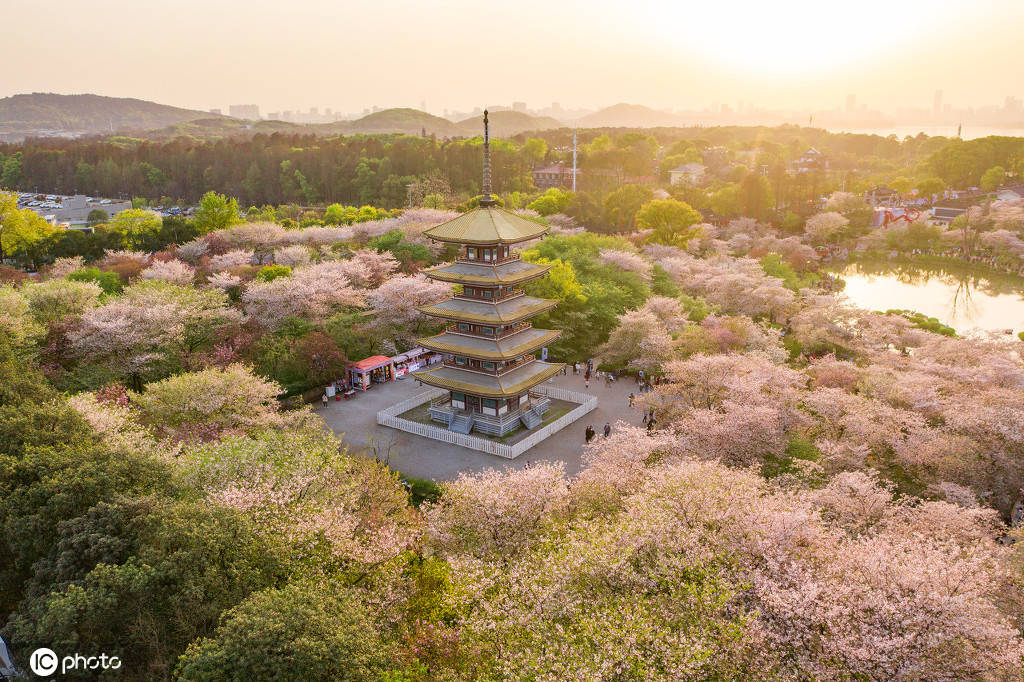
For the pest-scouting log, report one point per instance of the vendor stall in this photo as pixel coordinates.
(375, 369)
(410, 361)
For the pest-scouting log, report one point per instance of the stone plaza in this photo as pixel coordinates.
(355, 421)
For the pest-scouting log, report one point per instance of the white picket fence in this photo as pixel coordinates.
(389, 417)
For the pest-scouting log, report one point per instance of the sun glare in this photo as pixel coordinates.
(795, 36)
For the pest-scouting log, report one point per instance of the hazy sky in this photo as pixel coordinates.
(460, 54)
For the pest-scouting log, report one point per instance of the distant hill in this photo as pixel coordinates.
(47, 113)
(409, 121)
(629, 116)
(507, 124)
(214, 128)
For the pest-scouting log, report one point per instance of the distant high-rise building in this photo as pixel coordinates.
(851, 103)
(274, 116)
(215, 112)
(247, 111)
(1012, 104)
(423, 105)
(519, 106)
(937, 104)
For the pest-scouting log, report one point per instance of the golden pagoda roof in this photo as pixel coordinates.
(508, 385)
(487, 225)
(509, 311)
(509, 348)
(509, 273)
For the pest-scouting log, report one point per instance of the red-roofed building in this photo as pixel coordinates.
(555, 175)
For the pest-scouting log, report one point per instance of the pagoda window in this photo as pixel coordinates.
(469, 291)
(505, 251)
(488, 365)
(459, 360)
(487, 254)
(463, 327)
(487, 330)
(458, 400)
(490, 406)
(488, 293)
(471, 253)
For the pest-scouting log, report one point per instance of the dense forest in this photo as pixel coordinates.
(306, 169)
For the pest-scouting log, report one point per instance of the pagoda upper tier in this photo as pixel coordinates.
(487, 225)
(508, 311)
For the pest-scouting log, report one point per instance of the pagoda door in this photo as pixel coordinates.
(473, 403)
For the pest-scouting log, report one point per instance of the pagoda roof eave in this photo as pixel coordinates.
(541, 305)
(488, 349)
(463, 381)
(487, 225)
(494, 279)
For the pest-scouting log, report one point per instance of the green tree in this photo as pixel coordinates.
(11, 174)
(216, 212)
(622, 205)
(137, 226)
(671, 220)
(552, 201)
(23, 233)
(97, 216)
(993, 178)
(726, 201)
(929, 186)
(535, 150)
(268, 273)
(304, 631)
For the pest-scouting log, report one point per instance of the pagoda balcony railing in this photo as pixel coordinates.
(509, 366)
(497, 261)
(506, 295)
(453, 328)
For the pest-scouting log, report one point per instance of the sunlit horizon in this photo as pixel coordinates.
(790, 55)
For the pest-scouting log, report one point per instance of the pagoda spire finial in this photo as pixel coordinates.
(487, 199)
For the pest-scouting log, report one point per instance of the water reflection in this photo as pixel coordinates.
(959, 296)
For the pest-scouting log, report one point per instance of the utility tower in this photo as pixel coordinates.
(574, 160)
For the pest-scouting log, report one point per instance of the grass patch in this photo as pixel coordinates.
(797, 448)
(420, 490)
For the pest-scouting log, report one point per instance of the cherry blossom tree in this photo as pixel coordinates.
(231, 259)
(627, 261)
(824, 226)
(56, 300)
(170, 271)
(397, 299)
(212, 402)
(312, 292)
(292, 256)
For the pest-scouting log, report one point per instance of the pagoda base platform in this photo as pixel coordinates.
(430, 415)
(467, 421)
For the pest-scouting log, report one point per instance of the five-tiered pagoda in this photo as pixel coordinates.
(489, 368)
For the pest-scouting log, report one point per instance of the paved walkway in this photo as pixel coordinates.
(355, 421)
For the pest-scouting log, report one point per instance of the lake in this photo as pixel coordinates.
(958, 296)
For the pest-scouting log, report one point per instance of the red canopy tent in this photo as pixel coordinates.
(375, 369)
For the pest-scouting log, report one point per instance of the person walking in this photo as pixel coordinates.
(632, 397)
(586, 383)
(650, 426)
(323, 399)
(645, 417)
(607, 429)
(590, 433)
